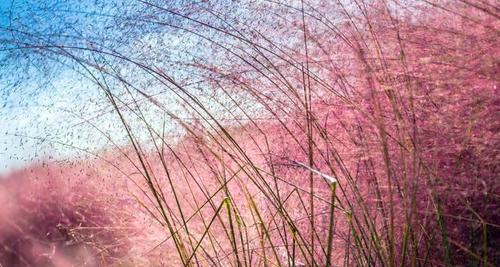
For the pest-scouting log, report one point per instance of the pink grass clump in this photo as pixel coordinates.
(413, 142)
(59, 215)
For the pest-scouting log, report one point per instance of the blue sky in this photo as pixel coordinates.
(4, 6)
(49, 110)
(42, 103)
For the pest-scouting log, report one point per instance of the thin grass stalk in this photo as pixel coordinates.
(207, 229)
(331, 230)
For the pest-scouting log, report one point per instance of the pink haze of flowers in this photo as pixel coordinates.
(435, 135)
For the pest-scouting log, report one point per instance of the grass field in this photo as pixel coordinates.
(303, 133)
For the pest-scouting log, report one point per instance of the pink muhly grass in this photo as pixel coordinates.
(407, 147)
(62, 216)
